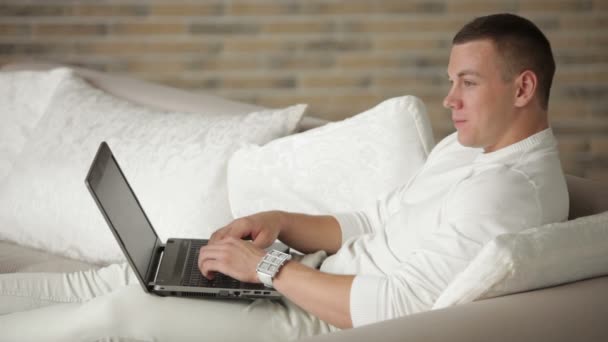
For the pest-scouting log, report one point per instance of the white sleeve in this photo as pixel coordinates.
(473, 214)
(372, 218)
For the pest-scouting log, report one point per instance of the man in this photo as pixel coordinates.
(499, 173)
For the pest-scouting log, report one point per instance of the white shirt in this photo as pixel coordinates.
(408, 246)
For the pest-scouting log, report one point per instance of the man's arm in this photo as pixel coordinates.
(310, 233)
(324, 295)
(306, 233)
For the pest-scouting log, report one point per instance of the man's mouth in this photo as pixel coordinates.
(458, 122)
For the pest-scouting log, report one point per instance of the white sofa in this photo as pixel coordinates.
(576, 311)
(571, 312)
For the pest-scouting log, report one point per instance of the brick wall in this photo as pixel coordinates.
(340, 56)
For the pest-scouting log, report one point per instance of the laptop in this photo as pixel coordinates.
(169, 269)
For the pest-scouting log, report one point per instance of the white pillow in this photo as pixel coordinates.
(540, 257)
(175, 162)
(338, 167)
(23, 98)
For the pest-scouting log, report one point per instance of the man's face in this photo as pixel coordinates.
(482, 102)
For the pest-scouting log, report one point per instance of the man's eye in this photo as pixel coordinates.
(468, 83)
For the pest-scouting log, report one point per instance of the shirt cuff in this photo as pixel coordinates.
(364, 300)
(349, 225)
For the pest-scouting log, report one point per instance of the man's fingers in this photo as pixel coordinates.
(231, 256)
(211, 253)
(263, 239)
(240, 231)
(219, 234)
(235, 229)
(209, 267)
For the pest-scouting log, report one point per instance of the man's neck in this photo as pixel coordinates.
(527, 123)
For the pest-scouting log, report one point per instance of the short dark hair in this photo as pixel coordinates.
(521, 44)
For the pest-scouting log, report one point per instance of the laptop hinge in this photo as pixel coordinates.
(155, 265)
(160, 261)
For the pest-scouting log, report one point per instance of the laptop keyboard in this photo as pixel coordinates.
(194, 277)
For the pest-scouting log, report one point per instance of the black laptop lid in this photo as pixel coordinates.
(122, 212)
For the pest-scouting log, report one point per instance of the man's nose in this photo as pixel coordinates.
(450, 101)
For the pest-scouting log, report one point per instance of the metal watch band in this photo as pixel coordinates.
(270, 265)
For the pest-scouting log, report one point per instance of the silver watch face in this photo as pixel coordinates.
(267, 268)
(272, 262)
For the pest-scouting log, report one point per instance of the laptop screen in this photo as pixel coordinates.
(122, 211)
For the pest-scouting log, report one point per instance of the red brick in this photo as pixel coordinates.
(122, 48)
(600, 5)
(480, 6)
(297, 27)
(406, 25)
(555, 5)
(28, 10)
(254, 8)
(109, 10)
(599, 147)
(334, 81)
(186, 9)
(70, 30)
(580, 22)
(148, 28)
(14, 29)
(581, 75)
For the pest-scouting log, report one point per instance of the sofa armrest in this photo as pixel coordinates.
(572, 312)
(587, 197)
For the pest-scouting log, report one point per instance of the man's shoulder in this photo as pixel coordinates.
(499, 186)
(496, 178)
(493, 192)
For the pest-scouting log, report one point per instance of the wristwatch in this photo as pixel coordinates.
(269, 266)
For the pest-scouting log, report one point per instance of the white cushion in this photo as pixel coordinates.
(175, 162)
(338, 167)
(539, 257)
(23, 97)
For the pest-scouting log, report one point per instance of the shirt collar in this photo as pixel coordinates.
(542, 138)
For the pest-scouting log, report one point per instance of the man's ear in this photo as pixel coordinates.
(526, 84)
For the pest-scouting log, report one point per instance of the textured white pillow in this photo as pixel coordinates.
(540, 257)
(23, 98)
(175, 162)
(338, 167)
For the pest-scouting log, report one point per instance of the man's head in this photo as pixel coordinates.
(501, 68)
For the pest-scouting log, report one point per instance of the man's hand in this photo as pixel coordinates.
(322, 294)
(227, 253)
(263, 228)
(233, 257)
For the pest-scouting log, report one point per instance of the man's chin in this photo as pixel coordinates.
(461, 138)
(465, 140)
